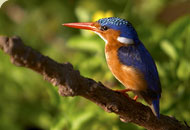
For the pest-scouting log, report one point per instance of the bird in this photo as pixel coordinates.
(127, 58)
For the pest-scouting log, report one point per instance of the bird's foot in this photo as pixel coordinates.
(135, 97)
(123, 91)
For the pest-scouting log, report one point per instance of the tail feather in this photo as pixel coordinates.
(155, 107)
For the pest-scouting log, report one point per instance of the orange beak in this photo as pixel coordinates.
(84, 25)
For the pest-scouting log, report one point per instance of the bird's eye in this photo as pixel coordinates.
(103, 28)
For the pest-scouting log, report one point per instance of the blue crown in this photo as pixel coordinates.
(114, 21)
(125, 27)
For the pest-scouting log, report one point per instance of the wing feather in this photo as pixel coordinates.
(138, 57)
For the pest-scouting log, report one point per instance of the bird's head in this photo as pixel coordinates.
(110, 29)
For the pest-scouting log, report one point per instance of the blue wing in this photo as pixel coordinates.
(138, 57)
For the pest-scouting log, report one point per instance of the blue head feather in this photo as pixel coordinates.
(125, 27)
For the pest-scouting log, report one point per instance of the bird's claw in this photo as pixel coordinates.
(123, 92)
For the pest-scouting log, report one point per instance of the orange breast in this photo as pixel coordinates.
(130, 77)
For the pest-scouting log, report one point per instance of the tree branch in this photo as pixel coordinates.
(71, 83)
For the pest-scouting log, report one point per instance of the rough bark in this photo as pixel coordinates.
(71, 83)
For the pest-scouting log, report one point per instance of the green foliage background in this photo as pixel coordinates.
(29, 102)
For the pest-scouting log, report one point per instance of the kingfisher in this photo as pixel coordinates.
(127, 58)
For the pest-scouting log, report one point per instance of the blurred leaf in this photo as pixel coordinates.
(80, 119)
(183, 71)
(177, 28)
(169, 49)
(85, 44)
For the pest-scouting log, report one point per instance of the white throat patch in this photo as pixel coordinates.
(101, 37)
(125, 40)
